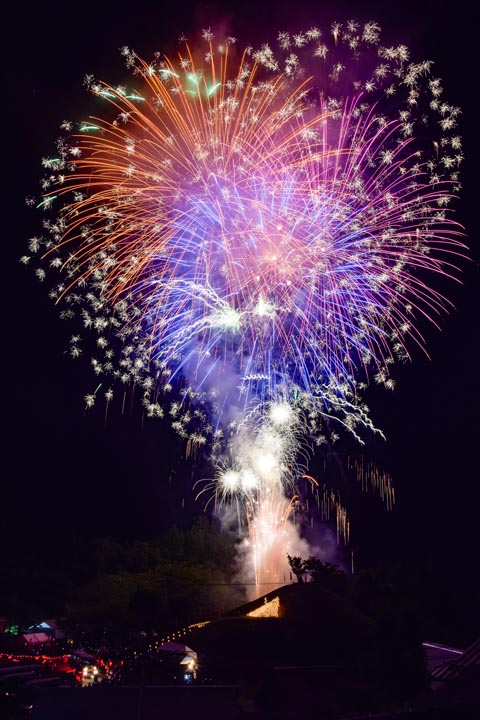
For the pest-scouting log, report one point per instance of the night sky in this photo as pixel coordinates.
(65, 468)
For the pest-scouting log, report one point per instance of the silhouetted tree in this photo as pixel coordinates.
(328, 575)
(297, 566)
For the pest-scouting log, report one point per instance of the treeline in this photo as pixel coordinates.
(189, 574)
(183, 576)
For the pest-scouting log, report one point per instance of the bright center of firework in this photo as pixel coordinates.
(228, 319)
(265, 464)
(230, 481)
(280, 413)
(263, 308)
(248, 480)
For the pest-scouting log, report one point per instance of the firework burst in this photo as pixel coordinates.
(255, 231)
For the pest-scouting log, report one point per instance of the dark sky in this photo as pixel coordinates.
(121, 476)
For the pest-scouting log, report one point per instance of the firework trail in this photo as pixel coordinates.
(250, 236)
